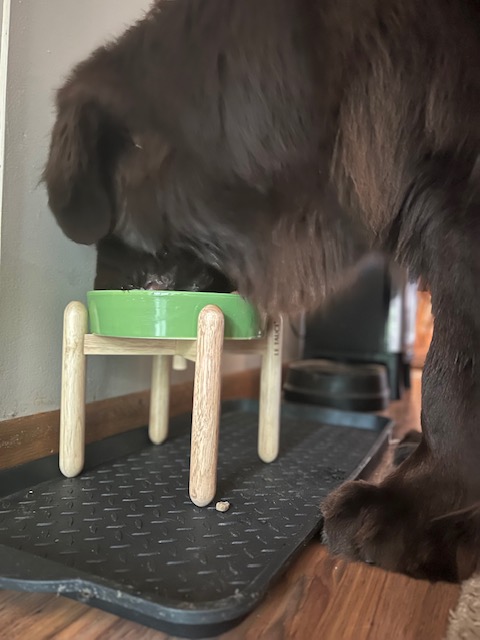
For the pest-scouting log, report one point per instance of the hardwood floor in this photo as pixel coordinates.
(424, 328)
(319, 597)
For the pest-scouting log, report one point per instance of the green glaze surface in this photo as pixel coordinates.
(167, 314)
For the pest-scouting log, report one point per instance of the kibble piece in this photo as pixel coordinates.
(222, 506)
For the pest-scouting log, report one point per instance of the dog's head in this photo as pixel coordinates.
(109, 179)
(107, 186)
(120, 266)
(201, 137)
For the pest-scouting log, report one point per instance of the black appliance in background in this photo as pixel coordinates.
(371, 321)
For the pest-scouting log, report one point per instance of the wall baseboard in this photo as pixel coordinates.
(36, 436)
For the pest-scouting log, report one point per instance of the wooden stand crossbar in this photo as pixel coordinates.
(206, 351)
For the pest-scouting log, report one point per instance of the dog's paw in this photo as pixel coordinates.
(402, 527)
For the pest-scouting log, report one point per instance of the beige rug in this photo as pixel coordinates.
(464, 622)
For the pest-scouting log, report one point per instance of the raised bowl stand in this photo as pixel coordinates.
(206, 351)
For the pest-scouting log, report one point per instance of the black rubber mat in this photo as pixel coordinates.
(125, 537)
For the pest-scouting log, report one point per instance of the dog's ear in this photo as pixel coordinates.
(79, 172)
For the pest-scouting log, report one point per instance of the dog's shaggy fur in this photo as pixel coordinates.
(277, 139)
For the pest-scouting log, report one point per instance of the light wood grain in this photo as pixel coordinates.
(186, 348)
(72, 410)
(206, 349)
(180, 363)
(206, 407)
(109, 346)
(159, 399)
(270, 393)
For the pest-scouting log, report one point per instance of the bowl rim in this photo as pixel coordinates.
(165, 294)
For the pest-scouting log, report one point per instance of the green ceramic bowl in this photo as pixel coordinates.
(167, 314)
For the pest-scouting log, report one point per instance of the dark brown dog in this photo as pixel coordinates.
(271, 138)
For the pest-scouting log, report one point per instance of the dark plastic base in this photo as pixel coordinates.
(396, 364)
(329, 383)
(125, 537)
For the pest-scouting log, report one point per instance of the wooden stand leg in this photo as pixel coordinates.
(159, 399)
(72, 408)
(270, 393)
(179, 363)
(206, 407)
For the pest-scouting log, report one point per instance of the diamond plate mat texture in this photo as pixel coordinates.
(125, 537)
